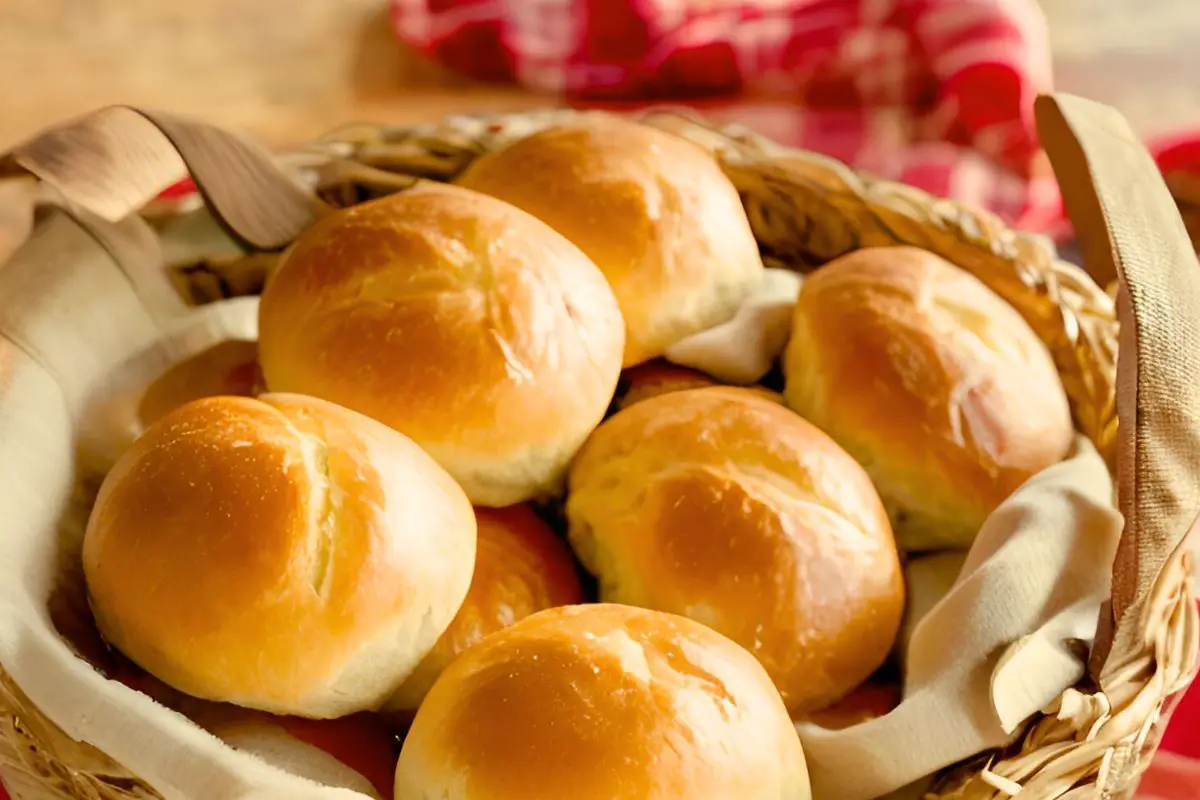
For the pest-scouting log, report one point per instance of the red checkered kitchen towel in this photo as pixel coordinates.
(935, 93)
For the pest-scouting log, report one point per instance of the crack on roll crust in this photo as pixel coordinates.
(322, 512)
(324, 500)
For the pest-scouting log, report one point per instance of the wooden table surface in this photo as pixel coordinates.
(283, 70)
(286, 70)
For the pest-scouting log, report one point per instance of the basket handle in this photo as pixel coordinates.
(1129, 229)
(104, 166)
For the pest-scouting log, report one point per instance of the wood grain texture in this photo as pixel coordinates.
(286, 70)
(283, 70)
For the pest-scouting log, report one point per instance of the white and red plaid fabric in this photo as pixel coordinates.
(937, 93)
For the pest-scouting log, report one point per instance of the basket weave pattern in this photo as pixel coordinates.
(805, 209)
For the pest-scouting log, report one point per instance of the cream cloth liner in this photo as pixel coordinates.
(1009, 637)
(61, 350)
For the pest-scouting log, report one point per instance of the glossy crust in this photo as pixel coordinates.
(460, 321)
(282, 554)
(521, 567)
(654, 211)
(599, 702)
(652, 378)
(725, 507)
(227, 368)
(656, 377)
(934, 383)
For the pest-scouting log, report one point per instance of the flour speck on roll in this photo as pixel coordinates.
(725, 507)
(279, 553)
(651, 209)
(932, 381)
(598, 702)
(460, 321)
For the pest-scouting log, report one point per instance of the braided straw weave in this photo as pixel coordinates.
(805, 209)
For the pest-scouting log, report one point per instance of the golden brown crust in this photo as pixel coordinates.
(521, 567)
(931, 381)
(655, 377)
(227, 368)
(867, 702)
(283, 554)
(598, 702)
(654, 211)
(725, 507)
(456, 319)
(658, 376)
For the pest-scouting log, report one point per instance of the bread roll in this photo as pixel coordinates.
(727, 508)
(462, 322)
(653, 210)
(521, 567)
(934, 383)
(652, 378)
(598, 702)
(282, 554)
(867, 702)
(229, 367)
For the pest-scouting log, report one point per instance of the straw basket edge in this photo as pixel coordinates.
(805, 210)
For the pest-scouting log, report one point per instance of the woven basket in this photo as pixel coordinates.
(805, 209)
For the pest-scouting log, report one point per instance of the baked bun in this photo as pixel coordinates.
(933, 382)
(653, 210)
(282, 554)
(521, 567)
(229, 367)
(652, 378)
(722, 506)
(867, 702)
(598, 702)
(454, 318)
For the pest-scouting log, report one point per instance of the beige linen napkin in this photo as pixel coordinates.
(1006, 640)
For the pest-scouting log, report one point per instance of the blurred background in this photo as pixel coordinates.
(287, 69)
(932, 92)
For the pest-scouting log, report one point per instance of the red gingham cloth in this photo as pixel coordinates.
(935, 93)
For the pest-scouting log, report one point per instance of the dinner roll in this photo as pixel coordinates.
(229, 367)
(652, 378)
(653, 210)
(867, 702)
(282, 554)
(934, 383)
(463, 322)
(722, 506)
(598, 702)
(521, 567)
